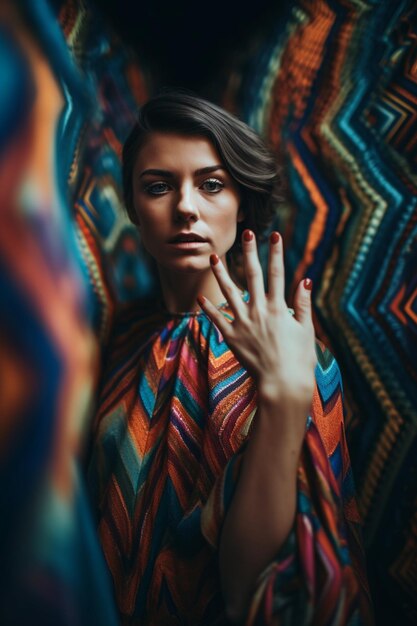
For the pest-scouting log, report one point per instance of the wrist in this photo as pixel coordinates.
(282, 421)
(283, 397)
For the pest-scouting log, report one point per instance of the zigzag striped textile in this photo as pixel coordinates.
(334, 88)
(175, 411)
(62, 90)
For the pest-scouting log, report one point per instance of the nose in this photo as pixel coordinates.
(186, 206)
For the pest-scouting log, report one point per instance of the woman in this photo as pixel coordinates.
(220, 468)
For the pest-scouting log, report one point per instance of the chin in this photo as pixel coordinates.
(190, 265)
(190, 268)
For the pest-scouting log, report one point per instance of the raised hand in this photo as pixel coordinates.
(276, 348)
(278, 351)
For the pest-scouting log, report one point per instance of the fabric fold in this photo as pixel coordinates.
(318, 575)
(174, 417)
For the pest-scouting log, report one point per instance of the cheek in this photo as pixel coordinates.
(149, 240)
(146, 216)
(225, 230)
(229, 216)
(148, 227)
(148, 232)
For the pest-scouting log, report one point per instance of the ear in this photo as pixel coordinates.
(240, 215)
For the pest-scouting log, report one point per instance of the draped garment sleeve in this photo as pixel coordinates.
(318, 576)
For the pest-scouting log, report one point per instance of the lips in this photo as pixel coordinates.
(186, 238)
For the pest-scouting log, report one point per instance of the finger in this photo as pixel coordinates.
(302, 303)
(276, 273)
(253, 269)
(215, 315)
(228, 287)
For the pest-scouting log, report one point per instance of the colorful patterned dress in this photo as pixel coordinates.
(174, 413)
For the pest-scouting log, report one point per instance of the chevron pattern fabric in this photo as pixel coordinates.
(174, 413)
(60, 96)
(114, 263)
(334, 88)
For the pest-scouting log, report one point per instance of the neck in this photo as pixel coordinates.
(180, 289)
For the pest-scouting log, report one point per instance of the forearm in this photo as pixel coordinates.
(262, 511)
(278, 351)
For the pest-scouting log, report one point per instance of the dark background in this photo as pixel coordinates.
(189, 44)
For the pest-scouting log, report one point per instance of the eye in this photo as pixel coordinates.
(157, 188)
(212, 185)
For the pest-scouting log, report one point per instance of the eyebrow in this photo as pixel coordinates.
(168, 174)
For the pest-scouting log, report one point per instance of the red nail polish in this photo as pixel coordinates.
(201, 300)
(308, 284)
(247, 235)
(274, 237)
(214, 259)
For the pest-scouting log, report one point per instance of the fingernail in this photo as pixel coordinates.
(201, 300)
(214, 259)
(308, 284)
(247, 235)
(274, 237)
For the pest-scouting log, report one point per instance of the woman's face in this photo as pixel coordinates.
(186, 202)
